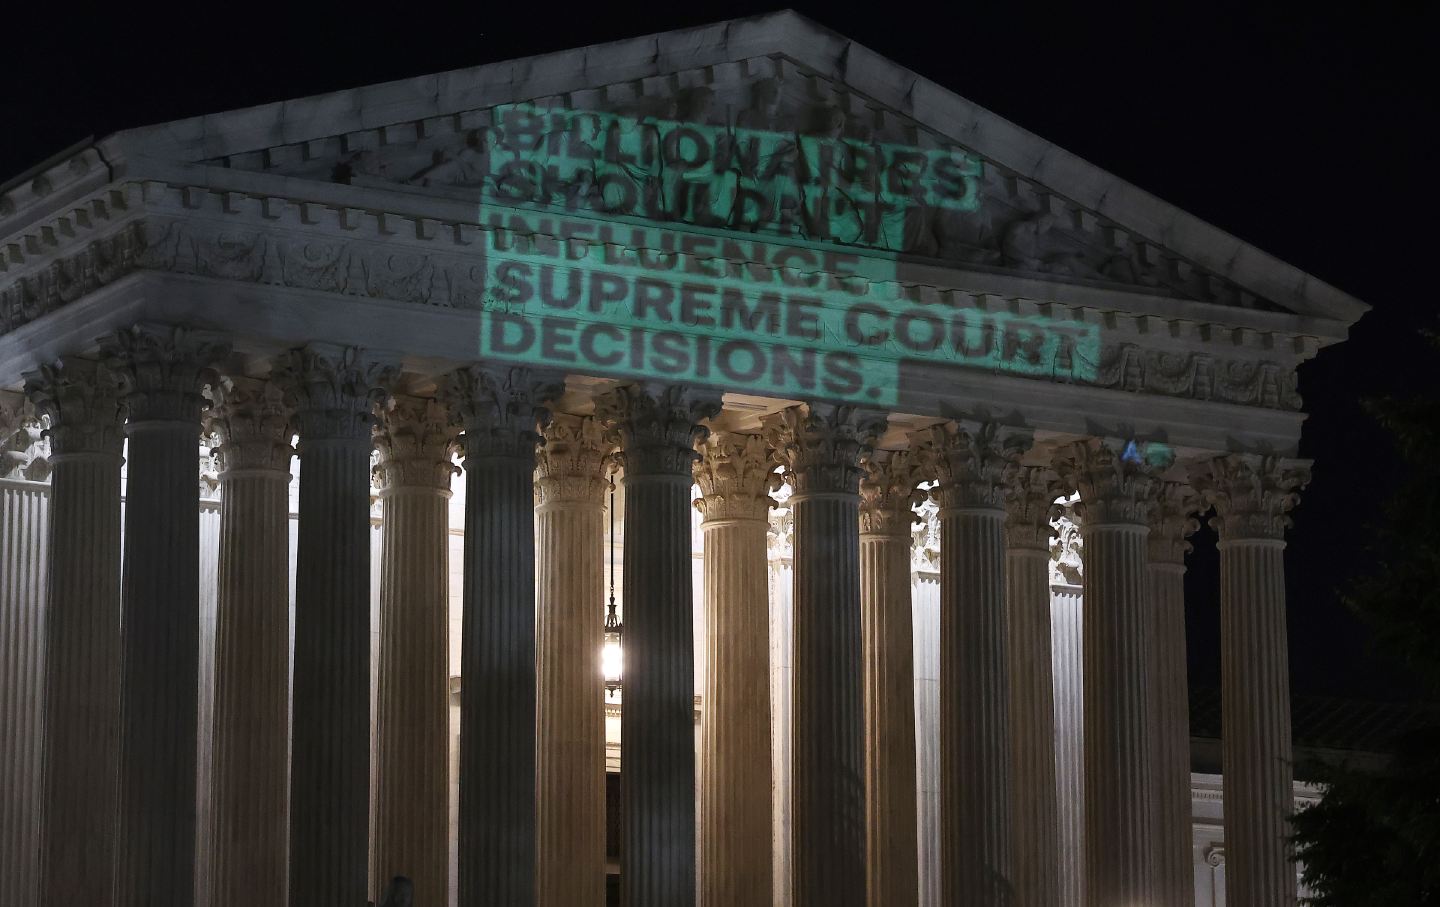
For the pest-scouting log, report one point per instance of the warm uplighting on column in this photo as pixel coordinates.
(612, 652)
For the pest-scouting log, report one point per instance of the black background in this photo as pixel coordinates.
(1301, 129)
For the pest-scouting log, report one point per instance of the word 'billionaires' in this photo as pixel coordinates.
(823, 187)
(753, 316)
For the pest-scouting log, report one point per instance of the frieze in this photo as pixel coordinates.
(411, 274)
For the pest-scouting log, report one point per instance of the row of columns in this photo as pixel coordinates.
(531, 763)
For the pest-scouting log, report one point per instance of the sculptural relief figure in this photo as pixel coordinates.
(763, 111)
(1028, 243)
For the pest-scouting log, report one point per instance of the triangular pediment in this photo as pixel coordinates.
(1032, 208)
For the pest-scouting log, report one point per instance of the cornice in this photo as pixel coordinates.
(57, 260)
(719, 52)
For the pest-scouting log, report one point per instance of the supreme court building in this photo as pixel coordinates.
(330, 427)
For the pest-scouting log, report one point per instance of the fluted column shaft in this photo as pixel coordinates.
(970, 460)
(657, 426)
(570, 741)
(891, 805)
(1121, 793)
(1252, 496)
(735, 860)
(499, 413)
(1171, 521)
(24, 514)
(332, 391)
(250, 747)
(412, 722)
(821, 448)
(1032, 693)
(160, 621)
(82, 634)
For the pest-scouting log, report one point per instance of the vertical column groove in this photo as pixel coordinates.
(499, 411)
(571, 718)
(820, 448)
(735, 861)
(658, 426)
(250, 747)
(892, 822)
(1253, 496)
(160, 621)
(333, 391)
(413, 685)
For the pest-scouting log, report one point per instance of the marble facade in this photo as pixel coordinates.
(391, 512)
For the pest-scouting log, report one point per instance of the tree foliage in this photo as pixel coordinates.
(1373, 840)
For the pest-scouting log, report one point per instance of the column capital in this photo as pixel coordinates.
(659, 425)
(1172, 521)
(1030, 497)
(251, 421)
(81, 401)
(501, 410)
(820, 445)
(24, 449)
(735, 477)
(971, 461)
(571, 466)
(415, 440)
(1252, 494)
(1115, 485)
(888, 490)
(162, 369)
(333, 391)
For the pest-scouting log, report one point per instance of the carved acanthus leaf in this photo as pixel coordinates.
(1067, 561)
(416, 443)
(820, 445)
(1172, 522)
(333, 391)
(81, 403)
(1252, 494)
(500, 409)
(251, 424)
(658, 425)
(971, 460)
(1030, 497)
(735, 476)
(24, 449)
(163, 370)
(572, 465)
(1114, 488)
(889, 491)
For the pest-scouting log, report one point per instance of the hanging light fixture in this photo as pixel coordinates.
(612, 653)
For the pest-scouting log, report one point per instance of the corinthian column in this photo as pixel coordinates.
(1120, 734)
(658, 426)
(570, 745)
(1171, 521)
(1252, 496)
(1029, 497)
(500, 412)
(891, 826)
(250, 748)
(333, 390)
(820, 447)
(24, 511)
(735, 806)
(162, 370)
(412, 722)
(82, 633)
(970, 462)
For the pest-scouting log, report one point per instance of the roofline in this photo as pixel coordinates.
(785, 33)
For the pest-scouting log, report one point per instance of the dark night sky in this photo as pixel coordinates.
(1297, 129)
